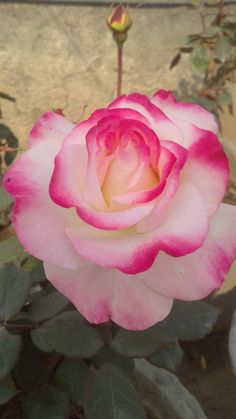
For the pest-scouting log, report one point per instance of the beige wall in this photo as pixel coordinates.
(64, 56)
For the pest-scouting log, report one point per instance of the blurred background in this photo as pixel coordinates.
(55, 54)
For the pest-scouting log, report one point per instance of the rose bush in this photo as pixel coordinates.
(125, 208)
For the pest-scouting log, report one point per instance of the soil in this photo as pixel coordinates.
(206, 371)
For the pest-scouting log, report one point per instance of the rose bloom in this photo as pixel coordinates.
(124, 208)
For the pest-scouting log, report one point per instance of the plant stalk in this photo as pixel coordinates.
(119, 67)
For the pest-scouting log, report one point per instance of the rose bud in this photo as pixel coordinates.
(120, 21)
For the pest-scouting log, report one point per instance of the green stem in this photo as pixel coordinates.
(119, 67)
(108, 334)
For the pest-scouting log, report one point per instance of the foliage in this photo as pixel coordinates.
(54, 364)
(164, 396)
(7, 97)
(111, 394)
(8, 145)
(212, 54)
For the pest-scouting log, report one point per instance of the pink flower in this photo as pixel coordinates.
(125, 207)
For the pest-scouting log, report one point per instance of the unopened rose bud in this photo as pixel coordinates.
(120, 22)
(59, 111)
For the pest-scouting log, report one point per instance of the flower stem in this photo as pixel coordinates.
(119, 67)
(108, 333)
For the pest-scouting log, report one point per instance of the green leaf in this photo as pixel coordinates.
(111, 394)
(164, 395)
(231, 109)
(225, 98)
(12, 141)
(13, 414)
(200, 59)
(71, 377)
(36, 270)
(47, 306)
(191, 320)
(186, 49)
(5, 200)
(46, 403)
(211, 31)
(230, 33)
(10, 250)
(222, 50)
(14, 288)
(69, 335)
(31, 366)
(194, 38)
(7, 389)
(107, 355)
(137, 344)
(10, 346)
(232, 342)
(30, 264)
(175, 61)
(169, 357)
(7, 97)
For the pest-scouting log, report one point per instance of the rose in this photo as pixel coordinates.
(124, 208)
(119, 21)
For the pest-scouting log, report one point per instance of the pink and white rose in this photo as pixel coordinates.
(125, 208)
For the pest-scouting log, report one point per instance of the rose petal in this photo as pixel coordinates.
(114, 220)
(80, 130)
(51, 126)
(207, 168)
(39, 223)
(66, 190)
(183, 230)
(102, 295)
(194, 276)
(166, 163)
(66, 185)
(158, 121)
(188, 112)
(168, 150)
(128, 140)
